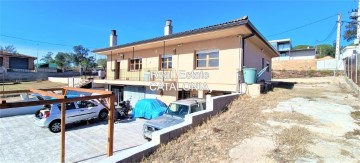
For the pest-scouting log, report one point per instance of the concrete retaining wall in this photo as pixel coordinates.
(70, 81)
(214, 105)
(33, 76)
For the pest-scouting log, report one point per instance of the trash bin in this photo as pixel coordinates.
(250, 75)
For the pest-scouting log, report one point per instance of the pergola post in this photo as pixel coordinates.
(62, 122)
(111, 126)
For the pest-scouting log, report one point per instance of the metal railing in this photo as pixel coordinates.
(148, 74)
(352, 68)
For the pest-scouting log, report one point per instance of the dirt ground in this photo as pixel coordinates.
(28, 85)
(313, 121)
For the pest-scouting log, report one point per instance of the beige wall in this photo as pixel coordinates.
(253, 59)
(223, 78)
(184, 60)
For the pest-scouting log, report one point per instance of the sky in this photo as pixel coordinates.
(36, 27)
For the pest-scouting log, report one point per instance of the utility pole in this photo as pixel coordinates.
(337, 48)
(358, 25)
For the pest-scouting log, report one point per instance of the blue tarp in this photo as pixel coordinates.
(149, 108)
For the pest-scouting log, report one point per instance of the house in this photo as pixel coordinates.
(16, 61)
(348, 51)
(186, 64)
(286, 51)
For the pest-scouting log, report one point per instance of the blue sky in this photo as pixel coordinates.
(89, 23)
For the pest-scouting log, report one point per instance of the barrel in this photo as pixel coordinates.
(250, 75)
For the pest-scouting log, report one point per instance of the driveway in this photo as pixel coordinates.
(22, 141)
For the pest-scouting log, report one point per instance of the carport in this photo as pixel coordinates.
(61, 98)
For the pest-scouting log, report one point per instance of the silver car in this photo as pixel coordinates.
(173, 115)
(49, 115)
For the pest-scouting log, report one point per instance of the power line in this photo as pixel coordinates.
(296, 28)
(36, 41)
(329, 35)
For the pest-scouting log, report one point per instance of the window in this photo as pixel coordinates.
(166, 61)
(135, 64)
(195, 108)
(204, 105)
(85, 104)
(207, 59)
(68, 106)
(262, 62)
(282, 54)
(177, 110)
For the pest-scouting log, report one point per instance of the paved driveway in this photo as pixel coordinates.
(22, 141)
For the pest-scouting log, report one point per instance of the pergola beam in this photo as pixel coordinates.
(44, 93)
(61, 99)
(87, 90)
(46, 102)
(28, 91)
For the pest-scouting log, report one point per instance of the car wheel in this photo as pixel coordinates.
(103, 114)
(55, 126)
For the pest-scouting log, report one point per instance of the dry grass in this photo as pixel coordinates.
(35, 84)
(352, 134)
(356, 115)
(346, 153)
(212, 141)
(292, 143)
(290, 117)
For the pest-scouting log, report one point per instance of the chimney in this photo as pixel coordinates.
(168, 28)
(113, 38)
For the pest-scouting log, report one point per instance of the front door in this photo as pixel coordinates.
(118, 92)
(117, 70)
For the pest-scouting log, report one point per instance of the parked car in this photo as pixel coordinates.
(25, 109)
(49, 115)
(173, 115)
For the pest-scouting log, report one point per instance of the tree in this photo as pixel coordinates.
(88, 62)
(62, 59)
(325, 50)
(102, 63)
(350, 31)
(48, 58)
(80, 54)
(298, 47)
(9, 49)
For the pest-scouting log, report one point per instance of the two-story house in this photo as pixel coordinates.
(186, 64)
(286, 51)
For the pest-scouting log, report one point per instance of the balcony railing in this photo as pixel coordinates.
(148, 74)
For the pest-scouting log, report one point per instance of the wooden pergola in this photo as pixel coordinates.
(62, 99)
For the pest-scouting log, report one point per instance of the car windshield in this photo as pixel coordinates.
(177, 110)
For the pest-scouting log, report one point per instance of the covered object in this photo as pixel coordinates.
(149, 108)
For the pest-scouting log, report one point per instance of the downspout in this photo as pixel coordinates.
(162, 63)
(111, 62)
(242, 63)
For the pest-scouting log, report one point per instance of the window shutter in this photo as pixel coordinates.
(129, 61)
(160, 61)
(194, 60)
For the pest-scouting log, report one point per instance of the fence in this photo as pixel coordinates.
(352, 68)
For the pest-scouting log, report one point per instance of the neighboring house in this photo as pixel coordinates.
(286, 51)
(214, 54)
(16, 61)
(348, 51)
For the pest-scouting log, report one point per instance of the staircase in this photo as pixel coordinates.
(84, 83)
